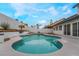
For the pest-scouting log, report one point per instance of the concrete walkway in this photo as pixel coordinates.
(70, 48)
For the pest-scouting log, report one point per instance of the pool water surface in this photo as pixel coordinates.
(37, 44)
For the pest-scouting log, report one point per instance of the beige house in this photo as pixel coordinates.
(67, 26)
(14, 24)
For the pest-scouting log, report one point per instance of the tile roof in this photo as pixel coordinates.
(73, 17)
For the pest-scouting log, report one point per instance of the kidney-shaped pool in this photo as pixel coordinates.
(37, 44)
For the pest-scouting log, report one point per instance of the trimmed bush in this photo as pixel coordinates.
(5, 26)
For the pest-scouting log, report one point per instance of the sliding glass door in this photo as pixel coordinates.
(74, 29)
(78, 28)
(68, 29)
(65, 30)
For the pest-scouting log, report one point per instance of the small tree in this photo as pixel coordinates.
(21, 27)
(16, 19)
(37, 26)
(5, 26)
(32, 26)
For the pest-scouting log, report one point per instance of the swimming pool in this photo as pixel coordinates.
(37, 44)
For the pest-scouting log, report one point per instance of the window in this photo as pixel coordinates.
(60, 27)
(53, 28)
(57, 28)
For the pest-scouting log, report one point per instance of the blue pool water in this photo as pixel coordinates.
(37, 44)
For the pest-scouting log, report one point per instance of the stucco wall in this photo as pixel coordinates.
(5, 19)
(61, 32)
(12, 22)
(46, 30)
(71, 24)
(58, 32)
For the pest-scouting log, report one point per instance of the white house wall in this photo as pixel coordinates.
(58, 32)
(61, 32)
(71, 24)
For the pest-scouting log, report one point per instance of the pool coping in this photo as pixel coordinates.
(39, 54)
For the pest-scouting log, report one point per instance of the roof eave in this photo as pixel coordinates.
(76, 5)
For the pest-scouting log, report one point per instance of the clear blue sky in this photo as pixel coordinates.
(38, 12)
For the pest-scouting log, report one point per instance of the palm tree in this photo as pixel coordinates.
(38, 25)
(51, 21)
(17, 19)
(32, 26)
(21, 27)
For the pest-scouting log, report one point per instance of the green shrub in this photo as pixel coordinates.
(5, 26)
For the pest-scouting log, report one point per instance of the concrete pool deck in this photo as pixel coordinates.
(70, 48)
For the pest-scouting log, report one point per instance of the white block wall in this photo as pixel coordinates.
(46, 30)
(40, 30)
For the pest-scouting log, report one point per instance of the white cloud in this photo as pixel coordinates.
(32, 11)
(68, 12)
(19, 9)
(35, 16)
(65, 7)
(22, 9)
(41, 10)
(53, 11)
(42, 21)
